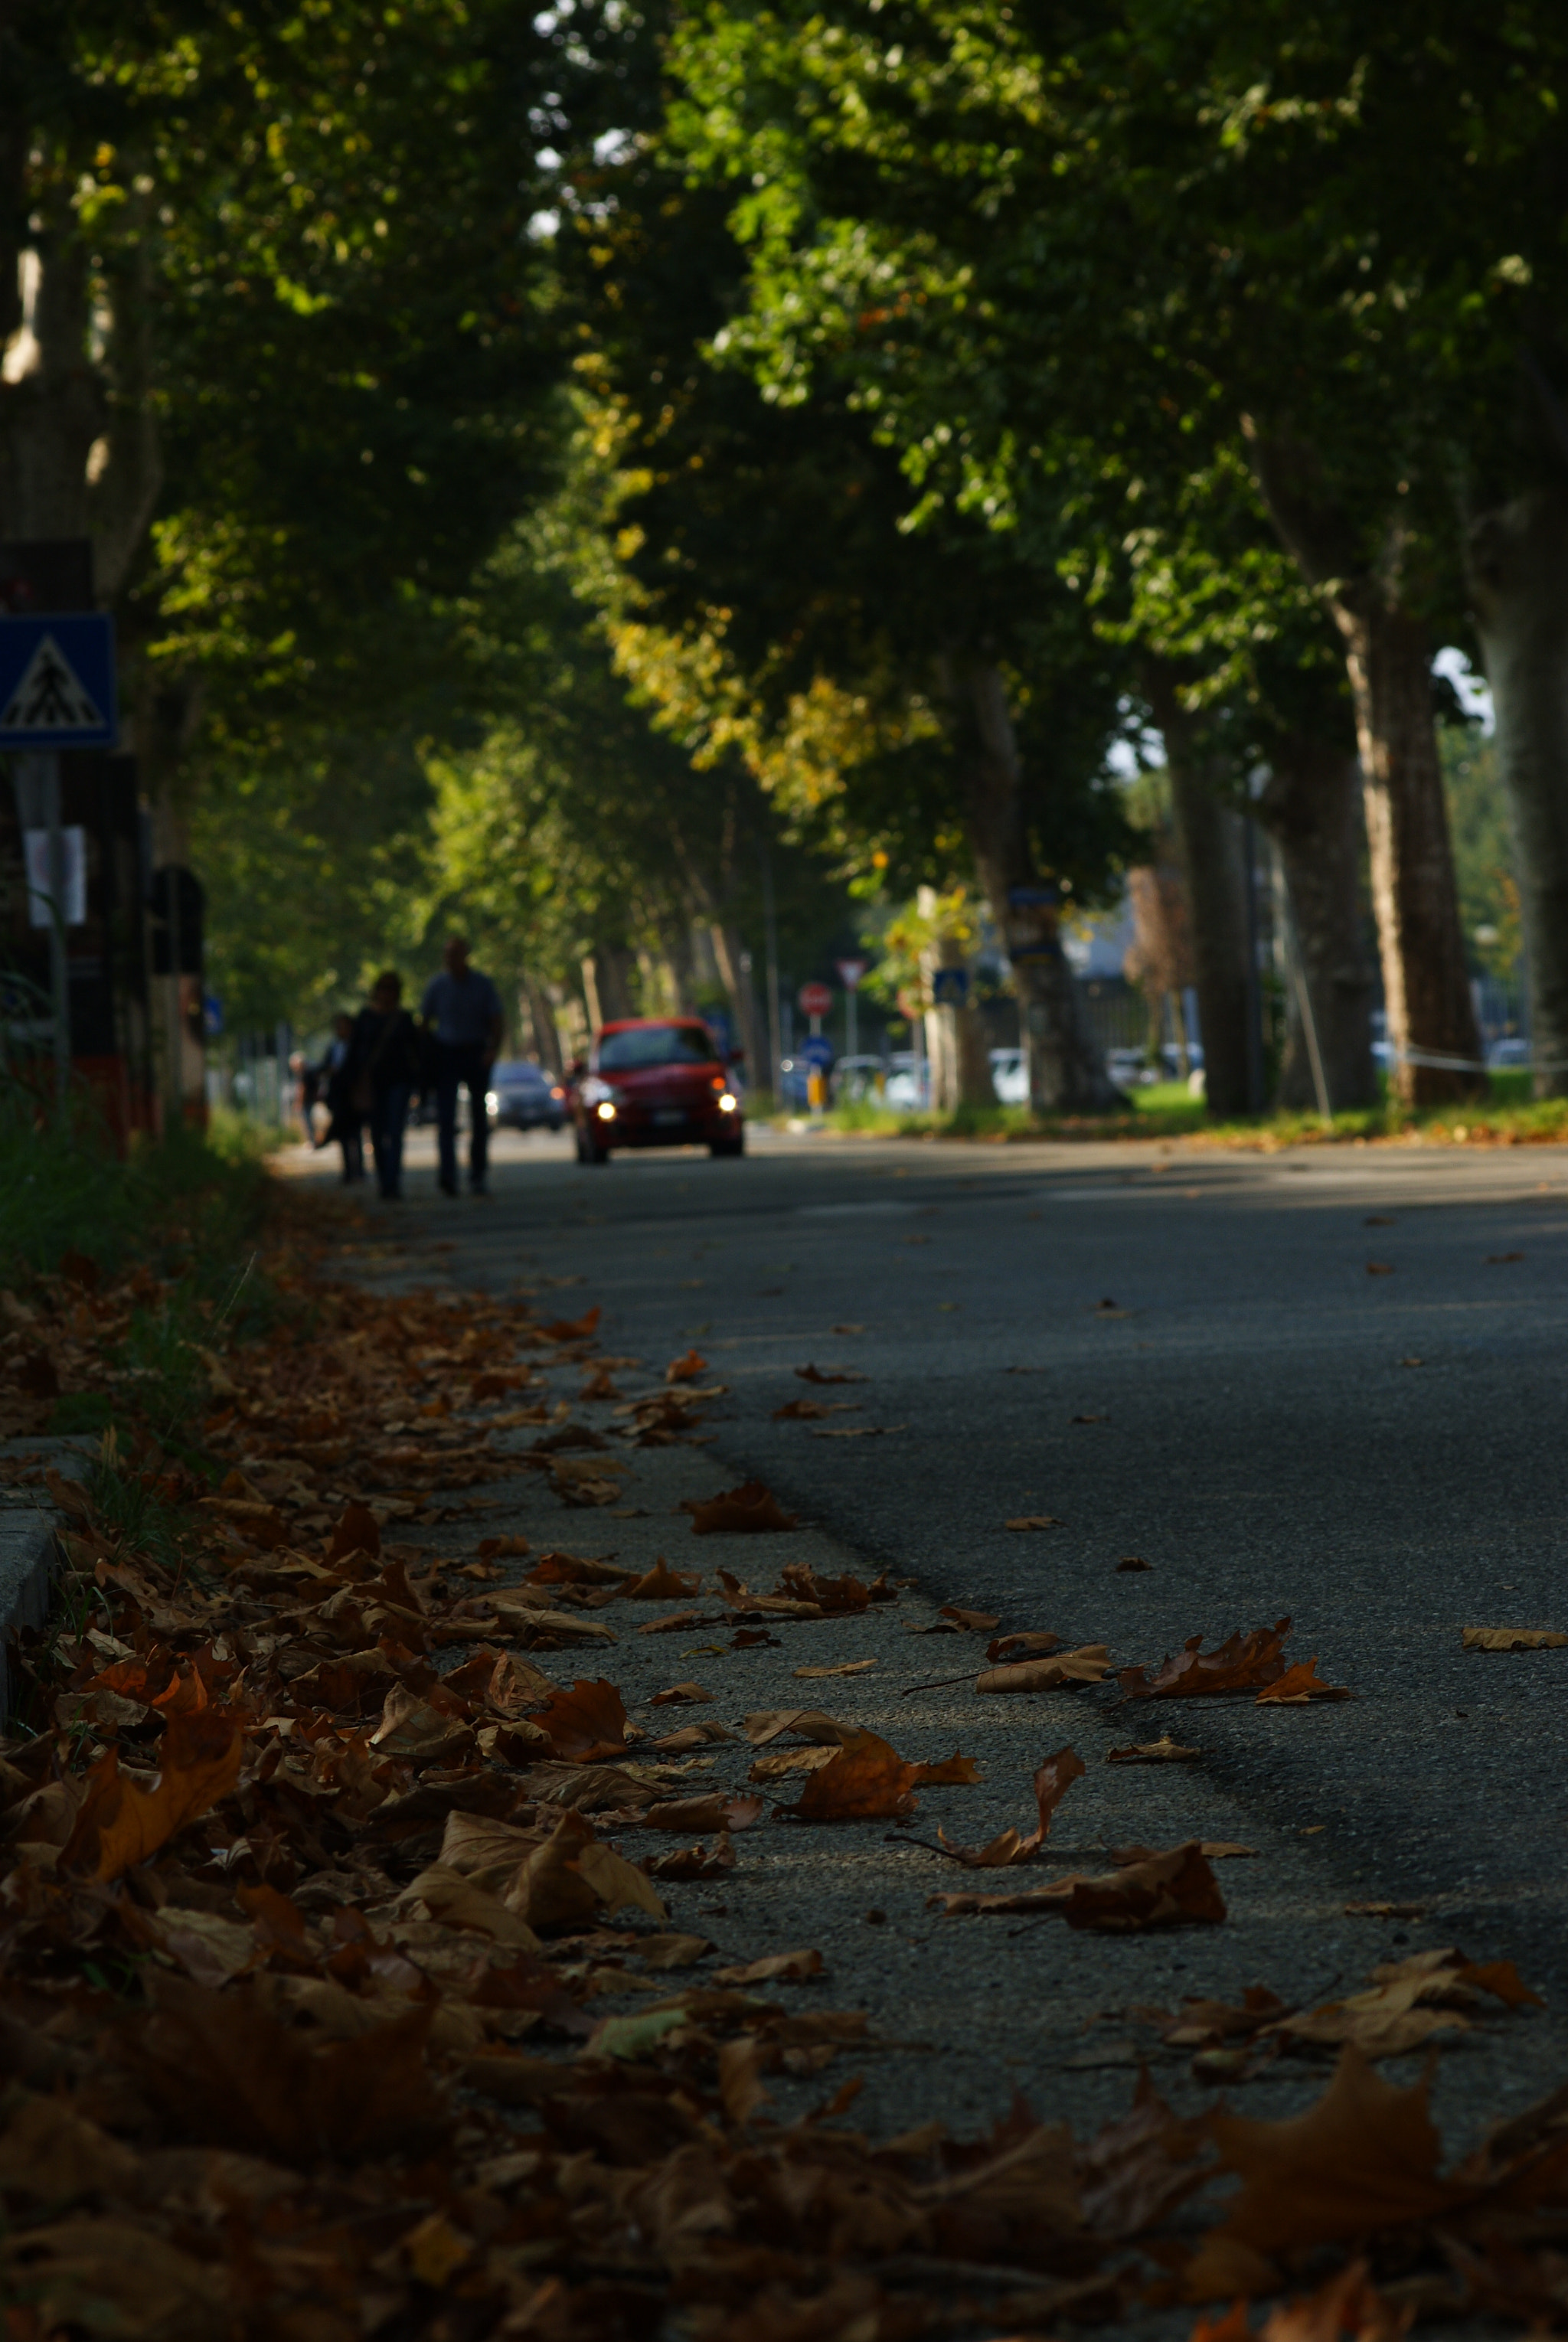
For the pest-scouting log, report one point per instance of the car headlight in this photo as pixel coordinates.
(605, 1110)
(729, 1103)
(491, 1101)
(556, 1091)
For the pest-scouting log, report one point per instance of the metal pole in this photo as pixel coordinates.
(173, 1037)
(851, 997)
(36, 775)
(776, 1021)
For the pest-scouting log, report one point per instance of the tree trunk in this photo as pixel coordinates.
(1432, 1028)
(1518, 557)
(1209, 840)
(542, 1016)
(1066, 1074)
(1309, 808)
(954, 1036)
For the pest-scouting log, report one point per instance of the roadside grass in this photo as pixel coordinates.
(1508, 1116)
(175, 1227)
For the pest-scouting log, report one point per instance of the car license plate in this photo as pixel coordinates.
(666, 1115)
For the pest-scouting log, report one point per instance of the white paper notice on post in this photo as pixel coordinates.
(73, 871)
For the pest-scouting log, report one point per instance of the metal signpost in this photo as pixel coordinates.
(816, 1001)
(850, 972)
(56, 690)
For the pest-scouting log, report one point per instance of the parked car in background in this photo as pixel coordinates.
(1009, 1077)
(522, 1096)
(854, 1080)
(908, 1087)
(656, 1082)
(1509, 1049)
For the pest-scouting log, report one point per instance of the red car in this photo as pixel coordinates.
(656, 1081)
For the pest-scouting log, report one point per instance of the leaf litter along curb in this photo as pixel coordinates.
(312, 1879)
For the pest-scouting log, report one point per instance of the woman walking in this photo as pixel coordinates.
(387, 1051)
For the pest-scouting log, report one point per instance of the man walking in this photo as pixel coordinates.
(462, 1011)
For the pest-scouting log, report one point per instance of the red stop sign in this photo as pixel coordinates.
(816, 999)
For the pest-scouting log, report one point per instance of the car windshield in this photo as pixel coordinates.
(655, 1045)
(521, 1073)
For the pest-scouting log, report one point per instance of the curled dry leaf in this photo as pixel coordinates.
(1298, 1685)
(968, 1622)
(686, 1369)
(690, 1862)
(1169, 1890)
(790, 1760)
(839, 1374)
(866, 1781)
(1023, 1646)
(676, 1623)
(1408, 2002)
(1245, 1663)
(738, 1511)
(357, 1531)
(586, 1724)
(118, 1825)
(848, 1667)
(680, 1695)
(1380, 1268)
(1514, 1639)
(806, 1723)
(717, 1811)
(1089, 1666)
(1164, 1751)
(570, 1569)
(573, 1329)
(1132, 1561)
(661, 1584)
(1034, 1521)
(1052, 1783)
(1345, 2305)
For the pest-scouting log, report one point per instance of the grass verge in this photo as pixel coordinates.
(1507, 1116)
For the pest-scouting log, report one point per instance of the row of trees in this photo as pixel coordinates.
(591, 468)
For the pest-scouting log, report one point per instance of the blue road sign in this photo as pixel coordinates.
(950, 986)
(57, 682)
(817, 1051)
(1032, 898)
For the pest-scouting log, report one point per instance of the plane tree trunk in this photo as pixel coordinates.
(1066, 1072)
(1209, 841)
(1311, 808)
(1518, 561)
(1432, 1025)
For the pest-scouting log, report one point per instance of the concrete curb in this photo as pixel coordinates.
(28, 1552)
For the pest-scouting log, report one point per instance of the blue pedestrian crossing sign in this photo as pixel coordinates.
(57, 682)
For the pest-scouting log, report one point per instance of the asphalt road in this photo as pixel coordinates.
(1182, 1354)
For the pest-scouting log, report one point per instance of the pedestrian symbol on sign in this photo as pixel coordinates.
(51, 696)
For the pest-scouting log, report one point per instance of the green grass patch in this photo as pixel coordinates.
(1507, 1116)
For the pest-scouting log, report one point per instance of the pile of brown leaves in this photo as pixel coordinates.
(313, 1876)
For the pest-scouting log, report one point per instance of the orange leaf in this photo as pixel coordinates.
(715, 1811)
(956, 1771)
(572, 1329)
(586, 1724)
(1501, 1979)
(686, 1369)
(357, 1532)
(688, 1862)
(866, 1781)
(119, 1824)
(661, 1584)
(1169, 1890)
(1091, 1665)
(1245, 1663)
(815, 1374)
(1297, 1685)
(748, 1507)
(1022, 1647)
(1364, 2157)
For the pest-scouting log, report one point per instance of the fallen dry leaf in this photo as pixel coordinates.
(690, 1862)
(1380, 1268)
(1500, 1259)
(680, 1695)
(1023, 1646)
(1364, 2157)
(804, 1410)
(969, 1622)
(846, 1667)
(1055, 1777)
(867, 1780)
(790, 1760)
(661, 1584)
(1164, 1751)
(841, 1374)
(1408, 2002)
(747, 1508)
(586, 1724)
(1245, 1663)
(686, 1369)
(1298, 1685)
(807, 1723)
(1168, 1890)
(1132, 1561)
(572, 1329)
(715, 1811)
(1514, 1639)
(1089, 1666)
(778, 1967)
(118, 1825)
(1034, 1521)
